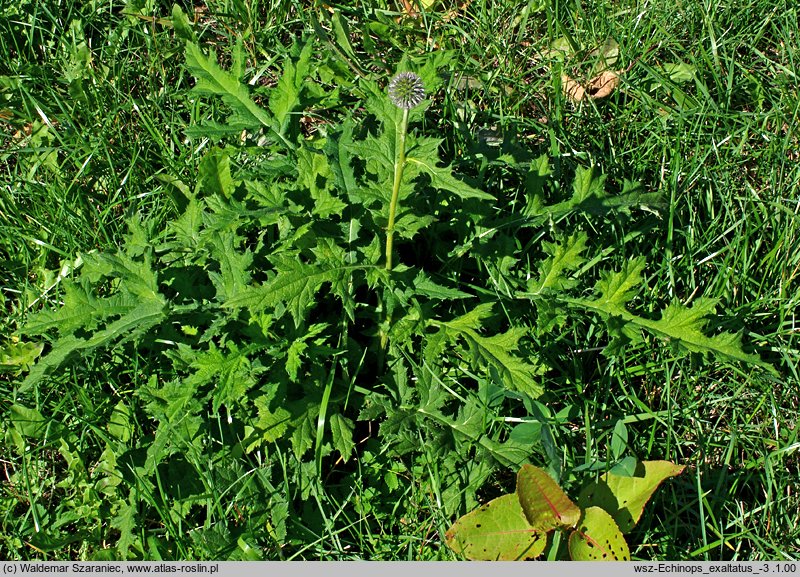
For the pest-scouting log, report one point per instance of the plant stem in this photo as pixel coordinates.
(399, 165)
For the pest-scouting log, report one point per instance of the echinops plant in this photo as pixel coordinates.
(256, 309)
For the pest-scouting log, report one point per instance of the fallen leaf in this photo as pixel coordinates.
(598, 87)
(603, 84)
(572, 88)
(545, 504)
(608, 53)
(410, 12)
(496, 531)
(597, 538)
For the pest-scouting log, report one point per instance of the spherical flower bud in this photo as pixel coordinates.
(406, 90)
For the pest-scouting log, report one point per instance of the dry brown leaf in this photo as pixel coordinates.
(572, 88)
(600, 86)
(603, 84)
(455, 11)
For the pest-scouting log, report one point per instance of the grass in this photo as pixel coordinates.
(93, 108)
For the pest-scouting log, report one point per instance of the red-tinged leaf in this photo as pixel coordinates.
(625, 497)
(496, 531)
(597, 538)
(546, 506)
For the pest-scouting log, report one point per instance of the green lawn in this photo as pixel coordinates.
(361, 416)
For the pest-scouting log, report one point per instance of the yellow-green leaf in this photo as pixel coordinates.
(496, 531)
(597, 538)
(16, 354)
(546, 506)
(625, 497)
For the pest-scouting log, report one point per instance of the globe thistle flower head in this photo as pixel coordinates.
(406, 90)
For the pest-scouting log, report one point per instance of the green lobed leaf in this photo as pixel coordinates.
(19, 354)
(215, 131)
(336, 148)
(125, 520)
(403, 330)
(684, 327)
(214, 174)
(435, 344)
(295, 286)
(378, 153)
(472, 319)
(494, 351)
(616, 288)
(342, 432)
(496, 531)
(185, 433)
(229, 214)
(470, 425)
(535, 179)
(588, 195)
(213, 80)
(304, 431)
(460, 478)
(234, 274)
(271, 424)
(424, 158)
(563, 257)
(586, 185)
(130, 326)
(597, 538)
(425, 286)
(231, 372)
(516, 374)
(509, 453)
(173, 400)
(81, 309)
(285, 97)
(106, 472)
(136, 277)
(409, 224)
(625, 497)
(546, 506)
(298, 347)
(681, 326)
(186, 229)
(313, 167)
